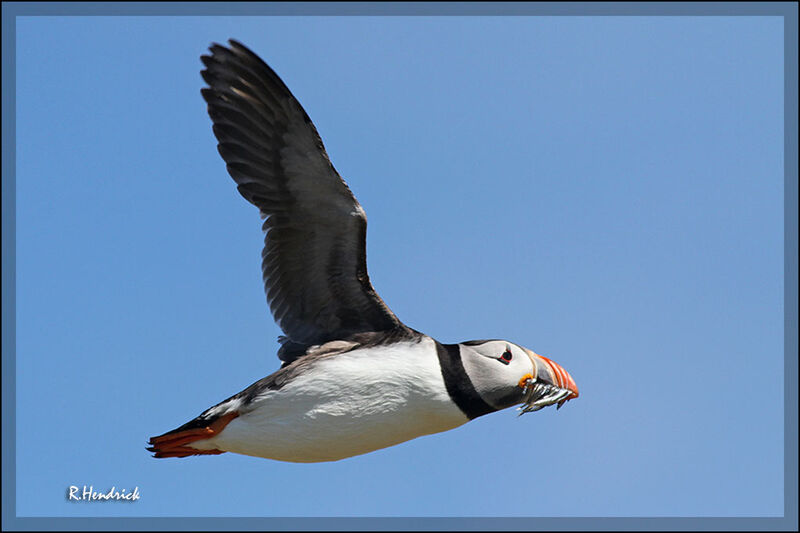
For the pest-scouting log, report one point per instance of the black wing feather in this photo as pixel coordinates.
(314, 259)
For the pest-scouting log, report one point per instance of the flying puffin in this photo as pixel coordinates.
(353, 377)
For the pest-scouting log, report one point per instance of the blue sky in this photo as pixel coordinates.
(606, 191)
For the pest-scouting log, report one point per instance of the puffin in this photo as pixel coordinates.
(353, 378)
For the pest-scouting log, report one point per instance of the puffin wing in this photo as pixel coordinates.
(314, 258)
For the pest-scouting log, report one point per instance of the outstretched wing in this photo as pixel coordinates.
(314, 259)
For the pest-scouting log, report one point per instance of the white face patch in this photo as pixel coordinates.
(496, 369)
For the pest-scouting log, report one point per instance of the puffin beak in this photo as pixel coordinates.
(551, 384)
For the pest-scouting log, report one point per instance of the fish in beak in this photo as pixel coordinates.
(550, 385)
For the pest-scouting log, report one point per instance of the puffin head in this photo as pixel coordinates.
(506, 374)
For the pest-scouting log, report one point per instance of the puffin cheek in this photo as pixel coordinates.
(508, 397)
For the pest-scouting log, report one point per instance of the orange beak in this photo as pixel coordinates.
(561, 377)
(551, 373)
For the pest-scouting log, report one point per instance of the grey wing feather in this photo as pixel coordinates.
(314, 259)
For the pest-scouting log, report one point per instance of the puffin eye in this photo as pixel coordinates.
(506, 357)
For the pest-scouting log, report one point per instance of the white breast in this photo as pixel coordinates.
(346, 405)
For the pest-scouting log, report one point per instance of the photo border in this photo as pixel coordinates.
(787, 10)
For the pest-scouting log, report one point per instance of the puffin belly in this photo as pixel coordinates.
(346, 405)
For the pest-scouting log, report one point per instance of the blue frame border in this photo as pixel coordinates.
(788, 10)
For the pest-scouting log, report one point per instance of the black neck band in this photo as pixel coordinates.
(458, 384)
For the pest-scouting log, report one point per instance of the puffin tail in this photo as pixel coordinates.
(175, 443)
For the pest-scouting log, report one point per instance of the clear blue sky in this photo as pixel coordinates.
(606, 191)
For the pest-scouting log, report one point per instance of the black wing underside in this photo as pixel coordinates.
(314, 258)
